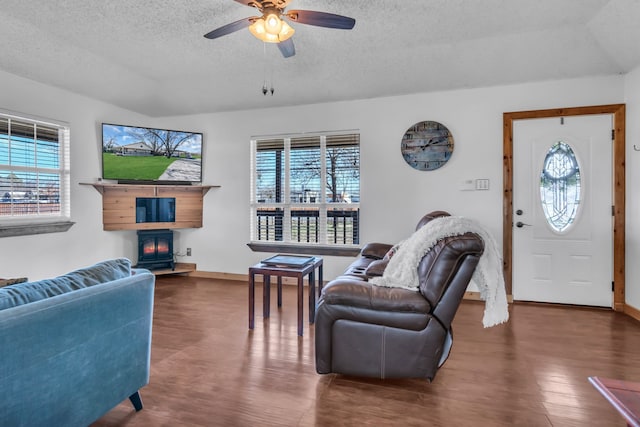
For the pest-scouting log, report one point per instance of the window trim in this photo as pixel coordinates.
(43, 223)
(31, 229)
(286, 245)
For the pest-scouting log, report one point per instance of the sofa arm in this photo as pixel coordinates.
(88, 349)
(375, 250)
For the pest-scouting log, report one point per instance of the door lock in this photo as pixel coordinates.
(521, 224)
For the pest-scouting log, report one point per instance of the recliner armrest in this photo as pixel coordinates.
(376, 268)
(358, 293)
(375, 250)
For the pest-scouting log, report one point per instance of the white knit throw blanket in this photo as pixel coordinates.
(402, 269)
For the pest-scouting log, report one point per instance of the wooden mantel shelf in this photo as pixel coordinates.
(119, 204)
(100, 186)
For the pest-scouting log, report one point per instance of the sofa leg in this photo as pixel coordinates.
(136, 400)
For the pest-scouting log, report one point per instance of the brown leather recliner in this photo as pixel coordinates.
(366, 330)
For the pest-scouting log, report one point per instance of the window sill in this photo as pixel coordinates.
(34, 228)
(304, 249)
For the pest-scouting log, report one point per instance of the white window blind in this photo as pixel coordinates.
(34, 170)
(306, 189)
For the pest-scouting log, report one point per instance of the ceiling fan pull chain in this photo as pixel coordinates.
(265, 89)
(272, 89)
(267, 85)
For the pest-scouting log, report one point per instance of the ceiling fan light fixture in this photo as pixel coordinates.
(273, 24)
(271, 32)
(286, 32)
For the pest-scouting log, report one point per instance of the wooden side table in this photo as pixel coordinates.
(623, 395)
(279, 271)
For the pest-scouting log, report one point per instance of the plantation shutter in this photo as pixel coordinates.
(304, 170)
(268, 180)
(343, 168)
(343, 188)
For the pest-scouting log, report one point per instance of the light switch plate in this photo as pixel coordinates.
(482, 184)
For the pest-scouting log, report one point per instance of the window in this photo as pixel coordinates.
(34, 170)
(560, 186)
(306, 189)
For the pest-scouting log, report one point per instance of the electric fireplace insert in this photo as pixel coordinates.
(155, 249)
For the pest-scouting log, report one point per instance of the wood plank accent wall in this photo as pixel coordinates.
(119, 205)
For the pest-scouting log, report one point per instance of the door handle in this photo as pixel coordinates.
(521, 224)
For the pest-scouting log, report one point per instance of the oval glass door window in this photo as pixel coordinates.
(560, 187)
(427, 145)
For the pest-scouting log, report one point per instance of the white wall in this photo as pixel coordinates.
(632, 99)
(393, 195)
(44, 255)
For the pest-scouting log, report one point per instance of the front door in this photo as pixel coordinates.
(562, 198)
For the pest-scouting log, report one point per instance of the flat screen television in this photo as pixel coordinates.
(132, 154)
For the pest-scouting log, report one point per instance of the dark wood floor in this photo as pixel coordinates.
(208, 369)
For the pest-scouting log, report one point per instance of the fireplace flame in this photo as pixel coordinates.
(163, 247)
(150, 247)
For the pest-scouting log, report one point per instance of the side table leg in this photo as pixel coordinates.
(266, 295)
(300, 305)
(252, 292)
(312, 296)
(279, 291)
(320, 283)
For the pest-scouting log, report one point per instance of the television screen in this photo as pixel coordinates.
(140, 154)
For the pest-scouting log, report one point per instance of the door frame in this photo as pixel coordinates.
(618, 111)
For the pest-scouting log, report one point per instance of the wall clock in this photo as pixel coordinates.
(427, 145)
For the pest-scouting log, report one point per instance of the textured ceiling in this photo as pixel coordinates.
(151, 56)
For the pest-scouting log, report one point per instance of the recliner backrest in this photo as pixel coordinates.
(445, 271)
(431, 215)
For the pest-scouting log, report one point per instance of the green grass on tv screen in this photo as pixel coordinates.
(134, 167)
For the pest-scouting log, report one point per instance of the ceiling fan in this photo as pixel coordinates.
(272, 28)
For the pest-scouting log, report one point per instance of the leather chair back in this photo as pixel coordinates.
(451, 260)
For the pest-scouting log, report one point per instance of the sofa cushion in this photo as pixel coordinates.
(23, 293)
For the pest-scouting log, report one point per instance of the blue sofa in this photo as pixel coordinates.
(75, 346)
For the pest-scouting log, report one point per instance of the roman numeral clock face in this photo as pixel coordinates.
(427, 145)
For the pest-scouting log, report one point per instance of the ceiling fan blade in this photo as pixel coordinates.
(321, 19)
(229, 28)
(287, 48)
